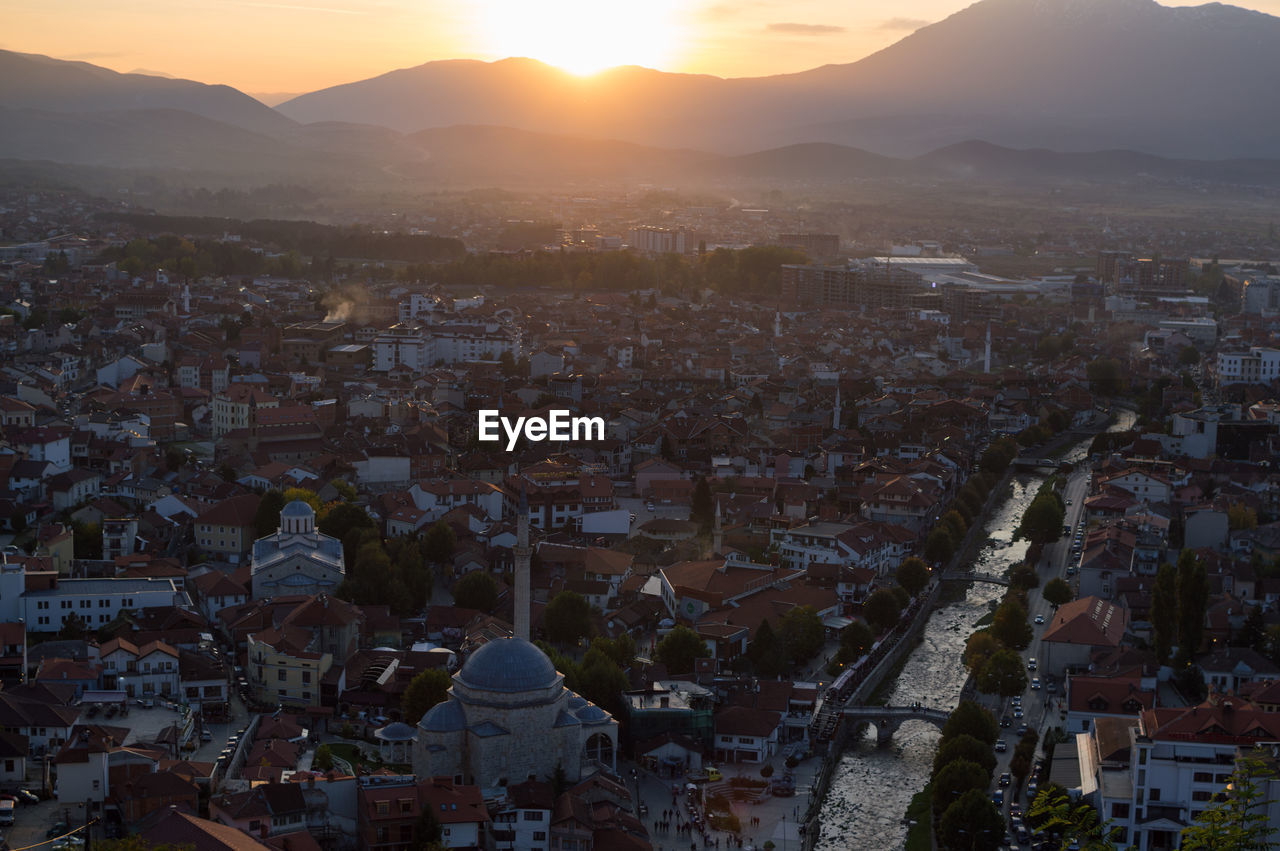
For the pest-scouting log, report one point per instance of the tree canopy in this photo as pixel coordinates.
(567, 618)
(1003, 674)
(1057, 592)
(881, 609)
(802, 633)
(476, 590)
(679, 648)
(913, 575)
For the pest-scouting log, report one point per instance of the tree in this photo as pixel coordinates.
(1105, 376)
(881, 610)
(1241, 516)
(1193, 602)
(1238, 818)
(427, 832)
(266, 520)
(701, 507)
(440, 543)
(1002, 674)
(971, 719)
(802, 633)
(86, 539)
(1009, 626)
(1076, 824)
(423, 692)
(1164, 611)
(73, 627)
(980, 647)
(939, 546)
(303, 495)
(622, 650)
(1057, 592)
(767, 652)
(1189, 356)
(600, 680)
(857, 639)
(567, 618)
(954, 780)
(680, 648)
(1042, 521)
(971, 823)
(345, 490)
(339, 520)
(476, 590)
(967, 747)
(323, 759)
(913, 575)
(1024, 576)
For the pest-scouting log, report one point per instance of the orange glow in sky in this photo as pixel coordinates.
(277, 46)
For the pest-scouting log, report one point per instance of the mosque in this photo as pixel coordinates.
(509, 717)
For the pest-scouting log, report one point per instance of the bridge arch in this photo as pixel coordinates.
(887, 719)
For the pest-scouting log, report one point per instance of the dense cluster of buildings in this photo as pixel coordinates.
(145, 416)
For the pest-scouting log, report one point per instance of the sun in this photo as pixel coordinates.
(578, 36)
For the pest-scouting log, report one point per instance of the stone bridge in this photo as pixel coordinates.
(974, 577)
(887, 719)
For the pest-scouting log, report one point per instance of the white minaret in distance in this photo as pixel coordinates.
(522, 553)
(186, 299)
(835, 414)
(986, 358)
(717, 534)
(777, 324)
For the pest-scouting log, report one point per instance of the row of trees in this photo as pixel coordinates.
(964, 816)
(1179, 602)
(799, 638)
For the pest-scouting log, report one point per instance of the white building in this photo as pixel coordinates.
(96, 601)
(420, 347)
(1259, 365)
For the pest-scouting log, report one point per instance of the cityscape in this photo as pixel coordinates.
(515, 452)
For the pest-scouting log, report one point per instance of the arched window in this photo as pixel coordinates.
(599, 749)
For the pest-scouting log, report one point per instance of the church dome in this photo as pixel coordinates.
(508, 665)
(297, 508)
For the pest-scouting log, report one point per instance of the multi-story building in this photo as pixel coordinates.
(1153, 775)
(655, 240)
(235, 407)
(817, 245)
(420, 347)
(285, 666)
(226, 530)
(1259, 365)
(96, 601)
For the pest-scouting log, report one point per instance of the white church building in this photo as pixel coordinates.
(297, 559)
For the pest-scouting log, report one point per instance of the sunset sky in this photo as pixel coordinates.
(268, 46)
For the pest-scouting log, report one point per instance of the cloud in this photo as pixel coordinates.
(804, 29)
(911, 24)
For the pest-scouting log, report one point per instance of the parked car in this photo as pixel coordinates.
(1039, 619)
(206, 736)
(1035, 683)
(58, 829)
(26, 796)
(1006, 779)
(1001, 746)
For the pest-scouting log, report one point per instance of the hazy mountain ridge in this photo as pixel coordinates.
(1074, 74)
(31, 81)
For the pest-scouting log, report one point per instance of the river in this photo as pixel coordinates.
(872, 786)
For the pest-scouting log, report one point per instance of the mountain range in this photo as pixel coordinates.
(1105, 78)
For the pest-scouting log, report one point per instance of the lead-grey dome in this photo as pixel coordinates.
(396, 731)
(297, 508)
(446, 717)
(508, 665)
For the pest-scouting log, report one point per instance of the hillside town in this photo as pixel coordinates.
(264, 583)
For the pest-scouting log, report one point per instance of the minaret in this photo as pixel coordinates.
(986, 359)
(777, 324)
(186, 299)
(835, 414)
(522, 553)
(717, 534)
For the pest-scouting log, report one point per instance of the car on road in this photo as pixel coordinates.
(1002, 746)
(998, 797)
(648, 506)
(1031, 664)
(1006, 779)
(1039, 619)
(1022, 729)
(206, 736)
(1035, 683)
(1005, 722)
(1017, 712)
